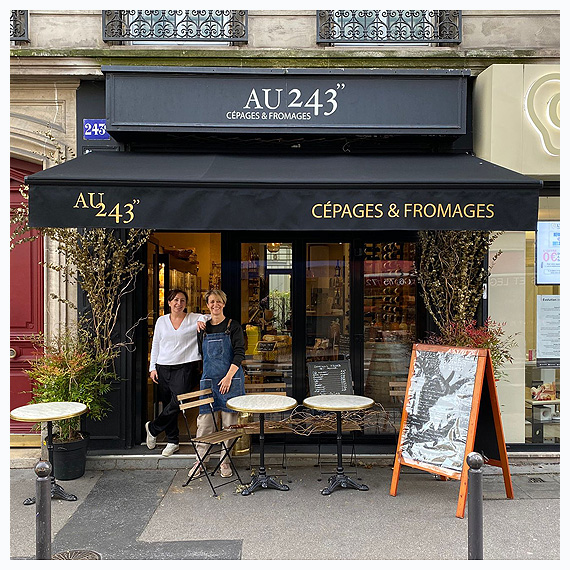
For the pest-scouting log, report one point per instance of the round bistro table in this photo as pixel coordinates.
(339, 403)
(262, 404)
(49, 412)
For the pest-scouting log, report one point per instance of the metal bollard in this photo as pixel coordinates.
(43, 510)
(475, 506)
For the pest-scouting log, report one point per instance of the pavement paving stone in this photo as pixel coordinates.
(148, 514)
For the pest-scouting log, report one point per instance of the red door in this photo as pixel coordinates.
(26, 301)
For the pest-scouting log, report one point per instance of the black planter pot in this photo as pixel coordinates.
(69, 458)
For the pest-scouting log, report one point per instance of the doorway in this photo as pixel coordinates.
(26, 308)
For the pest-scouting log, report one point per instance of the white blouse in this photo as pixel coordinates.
(175, 346)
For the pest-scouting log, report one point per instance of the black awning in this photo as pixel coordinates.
(215, 192)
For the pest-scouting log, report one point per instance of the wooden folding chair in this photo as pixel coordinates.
(219, 437)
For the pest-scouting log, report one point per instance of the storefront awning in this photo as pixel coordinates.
(215, 192)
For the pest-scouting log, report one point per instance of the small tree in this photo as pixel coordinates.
(105, 266)
(452, 272)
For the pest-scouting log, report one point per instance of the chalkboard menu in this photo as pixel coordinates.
(438, 407)
(344, 344)
(451, 408)
(330, 377)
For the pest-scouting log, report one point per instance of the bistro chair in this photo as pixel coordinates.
(227, 438)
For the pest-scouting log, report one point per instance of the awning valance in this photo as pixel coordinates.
(215, 192)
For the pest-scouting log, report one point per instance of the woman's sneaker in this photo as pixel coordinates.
(170, 449)
(226, 470)
(150, 439)
(196, 470)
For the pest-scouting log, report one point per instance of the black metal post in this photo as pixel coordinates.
(475, 506)
(339, 467)
(57, 491)
(262, 444)
(43, 510)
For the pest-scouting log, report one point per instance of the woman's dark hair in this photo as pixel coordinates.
(173, 292)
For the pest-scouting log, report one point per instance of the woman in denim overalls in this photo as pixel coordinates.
(223, 350)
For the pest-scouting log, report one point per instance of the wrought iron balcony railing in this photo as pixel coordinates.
(19, 26)
(175, 25)
(389, 26)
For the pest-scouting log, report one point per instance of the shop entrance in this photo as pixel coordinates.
(177, 260)
(301, 299)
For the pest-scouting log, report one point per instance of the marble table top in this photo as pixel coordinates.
(338, 402)
(261, 403)
(48, 411)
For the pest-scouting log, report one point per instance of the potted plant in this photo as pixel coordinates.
(67, 369)
(490, 335)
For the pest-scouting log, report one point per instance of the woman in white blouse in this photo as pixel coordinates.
(174, 366)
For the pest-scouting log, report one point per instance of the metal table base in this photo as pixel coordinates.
(262, 480)
(340, 480)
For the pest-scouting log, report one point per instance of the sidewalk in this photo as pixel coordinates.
(146, 513)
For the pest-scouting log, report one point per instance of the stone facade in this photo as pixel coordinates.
(66, 46)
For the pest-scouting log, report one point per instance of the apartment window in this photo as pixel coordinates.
(142, 26)
(394, 27)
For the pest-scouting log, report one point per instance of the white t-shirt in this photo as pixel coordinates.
(175, 346)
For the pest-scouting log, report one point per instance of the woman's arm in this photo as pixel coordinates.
(238, 343)
(238, 346)
(154, 352)
(226, 381)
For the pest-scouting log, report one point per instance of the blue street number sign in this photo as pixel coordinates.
(95, 130)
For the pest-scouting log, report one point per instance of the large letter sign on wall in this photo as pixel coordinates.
(296, 100)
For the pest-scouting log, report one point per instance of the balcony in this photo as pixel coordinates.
(19, 26)
(175, 26)
(394, 27)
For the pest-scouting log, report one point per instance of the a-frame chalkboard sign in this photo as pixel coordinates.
(451, 408)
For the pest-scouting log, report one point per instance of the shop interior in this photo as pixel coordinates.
(383, 310)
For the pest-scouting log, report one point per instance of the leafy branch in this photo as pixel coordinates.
(453, 271)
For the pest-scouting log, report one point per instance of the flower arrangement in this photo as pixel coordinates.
(490, 335)
(67, 369)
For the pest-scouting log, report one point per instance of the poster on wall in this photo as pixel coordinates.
(548, 253)
(548, 330)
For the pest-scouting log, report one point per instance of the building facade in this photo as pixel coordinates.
(244, 115)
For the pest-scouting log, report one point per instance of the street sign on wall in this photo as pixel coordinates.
(95, 130)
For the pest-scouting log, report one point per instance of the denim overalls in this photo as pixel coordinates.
(218, 353)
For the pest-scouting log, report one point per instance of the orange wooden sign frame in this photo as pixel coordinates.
(484, 377)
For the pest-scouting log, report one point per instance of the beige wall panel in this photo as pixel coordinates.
(511, 29)
(282, 29)
(66, 28)
(507, 305)
(516, 118)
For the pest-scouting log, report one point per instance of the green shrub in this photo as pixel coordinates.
(68, 370)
